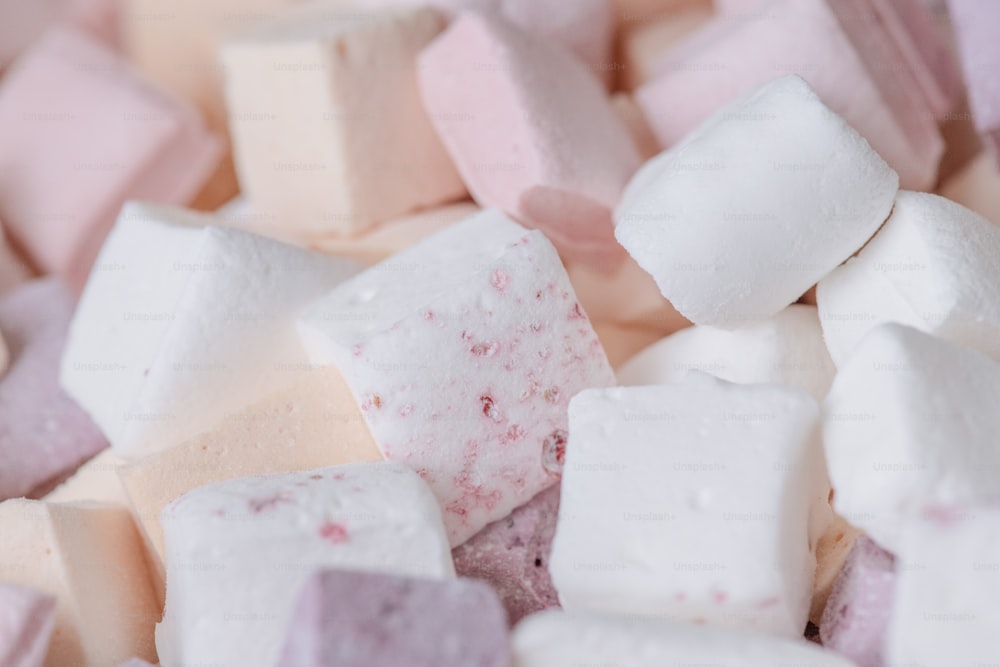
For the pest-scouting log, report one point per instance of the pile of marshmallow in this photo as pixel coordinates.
(492, 333)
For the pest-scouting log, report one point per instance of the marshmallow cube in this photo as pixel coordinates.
(96, 480)
(367, 619)
(531, 131)
(979, 52)
(43, 433)
(345, 141)
(560, 639)
(463, 353)
(512, 555)
(239, 551)
(89, 557)
(764, 199)
(897, 431)
(81, 135)
(644, 44)
(857, 614)
(27, 617)
(696, 501)
(945, 612)
(932, 266)
(786, 349)
(183, 323)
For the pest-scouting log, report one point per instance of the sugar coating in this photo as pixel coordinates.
(857, 614)
(27, 617)
(786, 349)
(367, 619)
(43, 433)
(561, 639)
(88, 556)
(944, 612)
(727, 538)
(463, 352)
(239, 551)
(979, 54)
(512, 555)
(537, 135)
(731, 229)
(932, 266)
(184, 322)
(897, 433)
(63, 182)
(348, 143)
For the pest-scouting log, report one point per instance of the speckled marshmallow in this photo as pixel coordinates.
(239, 551)
(766, 197)
(27, 617)
(463, 353)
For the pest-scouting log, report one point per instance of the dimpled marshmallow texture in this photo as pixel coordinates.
(898, 433)
(737, 222)
(27, 617)
(784, 349)
(329, 132)
(696, 501)
(934, 266)
(560, 639)
(368, 619)
(463, 353)
(238, 552)
(532, 132)
(183, 323)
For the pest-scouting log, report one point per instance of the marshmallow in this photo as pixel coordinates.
(24, 22)
(329, 132)
(27, 617)
(977, 186)
(82, 134)
(764, 199)
(239, 551)
(636, 124)
(366, 619)
(974, 24)
(531, 132)
(96, 480)
(136, 662)
(314, 423)
(43, 433)
(864, 77)
(621, 342)
(512, 555)
(463, 352)
(897, 431)
(13, 269)
(183, 323)
(644, 42)
(784, 349)
(856, 617)
(945, 613)
(831, 553)
(559, 639)
(933, 266)
(89, 557)
(729, 540)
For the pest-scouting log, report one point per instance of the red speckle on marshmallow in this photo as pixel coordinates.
(500, 279)
(719, 597)
(258, 505)
(485, 349)
(333, 533)
(490, 409)
(576, 312)
(406, 410)
(554, 451)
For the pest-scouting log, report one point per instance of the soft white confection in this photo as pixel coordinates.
(182, 323)
(575, 639)
(911, 421)
(96, 480)
(700, 501)
(766, 197)
(463, 352)
(945, 611)
(239, 551)
(786, 349)
(935, 265)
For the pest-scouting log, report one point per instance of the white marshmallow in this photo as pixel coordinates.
(561, 639)
(463, 352)
(785, 349)
(239, 551)
(945, 611)
(935, 266)
(182, 323)
(910, 421)
(700, 501)
(766, 197)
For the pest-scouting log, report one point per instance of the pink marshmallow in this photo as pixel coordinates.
(26, 621)
(512, 555)
(24, 21)
(43, 433)
(975, 24)
(80, 134)
(531, 132)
